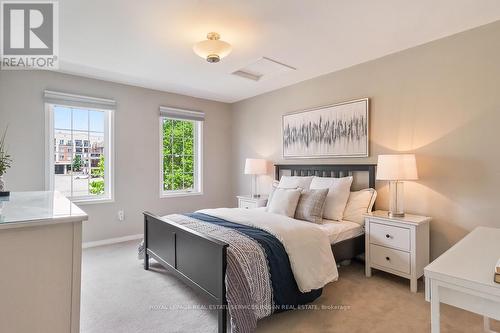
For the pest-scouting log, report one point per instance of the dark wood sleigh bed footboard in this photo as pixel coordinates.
(197, 259)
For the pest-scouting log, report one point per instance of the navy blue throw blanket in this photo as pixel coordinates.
(286, 294)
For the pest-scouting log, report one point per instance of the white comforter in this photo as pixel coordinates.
(307, 246)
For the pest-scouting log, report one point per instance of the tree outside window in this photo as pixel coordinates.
(179, 155)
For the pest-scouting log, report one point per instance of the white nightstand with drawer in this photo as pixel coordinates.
(398, 245)
(247, 201)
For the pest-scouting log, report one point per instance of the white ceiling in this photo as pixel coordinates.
(149, 43)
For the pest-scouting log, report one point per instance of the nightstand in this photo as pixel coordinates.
(247, 201)
(398, 245)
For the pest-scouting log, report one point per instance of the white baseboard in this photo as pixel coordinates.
(111, 241)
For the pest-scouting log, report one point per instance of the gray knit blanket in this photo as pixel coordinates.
(248, 284)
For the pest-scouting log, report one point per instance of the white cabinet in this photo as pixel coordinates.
(397, 245)
(40, 256)
(463, 277)
(248, 202)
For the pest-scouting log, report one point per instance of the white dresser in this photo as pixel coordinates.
(40, 260)
(398, 245)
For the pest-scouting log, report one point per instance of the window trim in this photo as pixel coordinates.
(198, 158)
(109, 151)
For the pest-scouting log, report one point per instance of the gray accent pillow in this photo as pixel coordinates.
(311, 205)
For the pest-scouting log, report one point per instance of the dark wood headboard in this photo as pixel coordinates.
(327, 170)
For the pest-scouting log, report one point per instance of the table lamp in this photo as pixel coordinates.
(255, 167)
(395, 169)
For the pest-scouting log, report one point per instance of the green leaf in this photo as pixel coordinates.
(188, 164)
(188, 147)
(167, 182)
(178, 146)
(177, 164)
(167, 128)
(178, 128)
(188, 129)
(167, 164)
(177, 181)
(77, 163)
(188, 181)
(167, 147)
(96, 187)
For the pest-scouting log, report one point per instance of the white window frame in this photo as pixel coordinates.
(109, 159)
(198, 158)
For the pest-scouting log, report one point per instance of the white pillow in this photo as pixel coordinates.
(284, 201)
(274, 186)
(359, 203)
(336, 200)
(295, 181)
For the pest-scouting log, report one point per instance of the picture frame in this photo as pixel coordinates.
(330, 131)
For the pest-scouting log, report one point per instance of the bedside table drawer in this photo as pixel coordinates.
(247, 204)
(390, 236)
(394, 259)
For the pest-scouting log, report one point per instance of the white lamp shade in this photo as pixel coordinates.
(255, 166)
(397, 167)
(212, 46)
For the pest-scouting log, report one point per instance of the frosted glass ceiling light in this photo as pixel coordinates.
(213, 49)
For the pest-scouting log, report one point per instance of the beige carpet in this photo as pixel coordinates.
(119, 296)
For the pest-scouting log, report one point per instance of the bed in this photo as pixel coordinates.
(348, 247)
(197, 252)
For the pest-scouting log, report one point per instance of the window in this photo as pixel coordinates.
(180, 152)
(73, 171)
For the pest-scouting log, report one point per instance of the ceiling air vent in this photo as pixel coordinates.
(248, 75)
(263, 68)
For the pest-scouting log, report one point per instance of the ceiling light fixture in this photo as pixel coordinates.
(213, 49)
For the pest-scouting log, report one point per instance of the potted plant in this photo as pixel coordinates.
(5, 162)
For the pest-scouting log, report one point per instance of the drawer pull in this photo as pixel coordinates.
(387, 258)
(388, 236)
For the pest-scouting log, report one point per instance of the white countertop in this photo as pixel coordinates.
(472, 260)
(408, 218)
(22, 209)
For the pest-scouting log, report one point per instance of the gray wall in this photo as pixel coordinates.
(136, 147)
(440, 101)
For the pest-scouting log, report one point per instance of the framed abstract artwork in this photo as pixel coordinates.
(337, 130)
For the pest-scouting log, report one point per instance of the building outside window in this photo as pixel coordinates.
(80, 174)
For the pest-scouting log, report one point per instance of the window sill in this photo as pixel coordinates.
(179, 194)
(92, 201)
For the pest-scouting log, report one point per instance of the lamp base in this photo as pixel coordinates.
(396, 203)
(394, 214)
